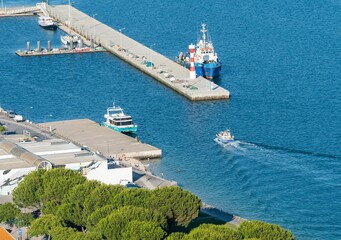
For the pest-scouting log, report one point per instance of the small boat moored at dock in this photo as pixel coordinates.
(224, 137)
(47, 22)
(67, 39)
(206, 60)
(117, 120)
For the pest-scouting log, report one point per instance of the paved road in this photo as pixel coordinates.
(14, 127)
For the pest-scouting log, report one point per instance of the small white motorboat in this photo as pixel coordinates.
(224, 137)
(47, 23)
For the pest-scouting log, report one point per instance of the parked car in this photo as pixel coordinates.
(11, 113)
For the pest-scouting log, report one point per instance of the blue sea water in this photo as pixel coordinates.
(281, 62)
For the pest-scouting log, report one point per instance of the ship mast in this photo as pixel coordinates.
(203, 30)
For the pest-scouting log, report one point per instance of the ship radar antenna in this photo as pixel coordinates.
(203, 30)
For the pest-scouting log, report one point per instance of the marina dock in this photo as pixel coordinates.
(136, 54)
(46, 52)
(102, 140)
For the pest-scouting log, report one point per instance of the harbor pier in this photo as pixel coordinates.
(102, 140)
(136, 54)
(19, 11)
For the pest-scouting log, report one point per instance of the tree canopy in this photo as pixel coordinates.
(29, 191)
(112, 226)
(57, 183)
(211, 231)
(180, 206)
(262, 230)
(45, 225)
(140, 230)
(8, 212)
(75, 208)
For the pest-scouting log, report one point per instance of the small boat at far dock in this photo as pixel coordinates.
(67, 39)
(47, 22)
(224, 137)
(117, 120)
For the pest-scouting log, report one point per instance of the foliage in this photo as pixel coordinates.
(51, 207)
(111, 226)
(62, 233)
(100, 196)
(44, 225)
(78, 194)
(87, 236)
(24, 219)
(99, 214)
(180, 206)
(262, 230)
(176, 236)
(71, 209)
(29, 191)
(2, 129)
(72, 213)
(68, 200)
(211, 231)
(132, 197)
(141, 230)
(8, 212)
(57, 182)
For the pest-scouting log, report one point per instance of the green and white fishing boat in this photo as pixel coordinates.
(117, 120)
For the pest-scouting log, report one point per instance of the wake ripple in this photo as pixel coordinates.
(292, 150)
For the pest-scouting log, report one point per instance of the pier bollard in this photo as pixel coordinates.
(28, 48)
(48, 45)
(38, 46)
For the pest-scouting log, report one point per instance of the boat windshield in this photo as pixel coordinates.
(117, 111)
(121, 123)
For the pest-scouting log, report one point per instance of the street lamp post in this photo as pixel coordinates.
(70, 15)
(26, 115)
(121, 29)
(93, 17)
(151, 55)
(45, 117)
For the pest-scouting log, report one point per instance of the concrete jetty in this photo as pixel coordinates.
(102, 140)
(19, 11)
(136, 54)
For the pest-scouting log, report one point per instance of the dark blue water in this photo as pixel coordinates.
(282, 65)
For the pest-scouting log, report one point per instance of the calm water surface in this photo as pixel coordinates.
(282, 65)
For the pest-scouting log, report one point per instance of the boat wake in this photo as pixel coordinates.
(235, 145)
(291, 150)
(244, 146)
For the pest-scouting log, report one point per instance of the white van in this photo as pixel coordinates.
(18, 118)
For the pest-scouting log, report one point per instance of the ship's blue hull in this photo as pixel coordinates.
(208, 70)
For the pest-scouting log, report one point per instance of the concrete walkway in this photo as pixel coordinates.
(162, 69)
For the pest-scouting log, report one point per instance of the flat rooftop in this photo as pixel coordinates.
(85, 132)
(57, 151)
